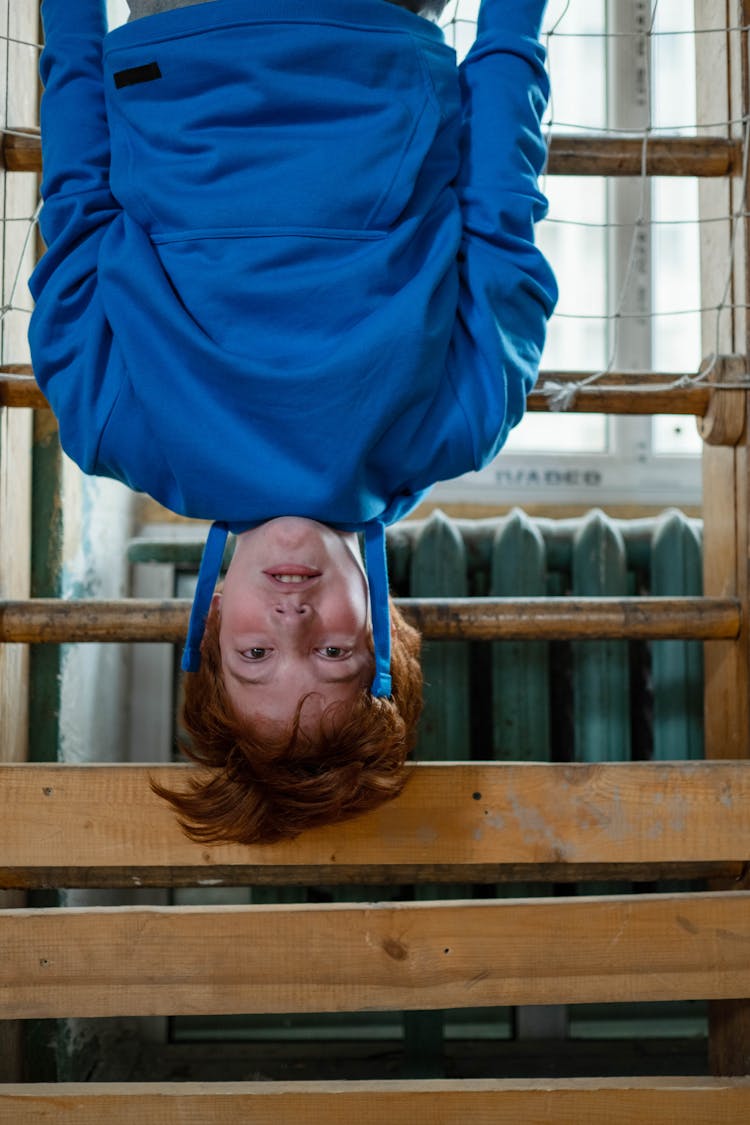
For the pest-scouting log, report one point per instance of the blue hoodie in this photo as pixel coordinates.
(290, 264)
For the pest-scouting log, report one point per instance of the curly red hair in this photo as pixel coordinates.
(260, 789)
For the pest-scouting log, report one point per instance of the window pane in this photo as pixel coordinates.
(675, 433)
(559, 433)
(675, 246)
(576, 49)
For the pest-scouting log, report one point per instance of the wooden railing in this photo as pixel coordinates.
(481, 823)
(569, 155)
(453, 821)
(613, 393)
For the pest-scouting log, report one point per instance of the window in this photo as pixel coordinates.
(626, 254)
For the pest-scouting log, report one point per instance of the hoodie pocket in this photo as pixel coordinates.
(314, 126)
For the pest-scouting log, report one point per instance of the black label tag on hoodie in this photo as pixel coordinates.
(136, 74)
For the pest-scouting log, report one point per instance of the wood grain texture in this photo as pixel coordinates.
(731, 873)
(569, 155)
(22, 151)
(18, 387)
(614, 393)
(51, 621)
(660, 156)
(450, 815)
(724, 420)
(723, 74)
(142, 961)
(639, 393)
(573, 1101)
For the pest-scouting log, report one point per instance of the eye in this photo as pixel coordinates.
(333, 652)
(256, 653)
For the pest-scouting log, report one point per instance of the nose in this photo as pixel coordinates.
(292, 609)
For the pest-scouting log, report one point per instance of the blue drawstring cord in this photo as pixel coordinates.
(208, 575)
(377, 578)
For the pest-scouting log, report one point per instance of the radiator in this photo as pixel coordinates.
(584, 701)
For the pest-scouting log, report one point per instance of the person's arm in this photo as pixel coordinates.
(75, 134)
(70, 339)
(507, 289)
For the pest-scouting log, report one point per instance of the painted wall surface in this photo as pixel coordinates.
(97, 524)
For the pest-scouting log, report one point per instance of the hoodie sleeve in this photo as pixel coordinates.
(71, 342)
(507, 289)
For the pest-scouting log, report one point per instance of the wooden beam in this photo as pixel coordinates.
(18, 387)
(569, 155)
(658, 156)
(540, 1101)
(47, 877)
(621, 393)
(723, 94)
(539, 820)
(143, 961)
(22, 151)
(615, 393)
(51, 621)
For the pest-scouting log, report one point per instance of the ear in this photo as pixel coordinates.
(216, 604)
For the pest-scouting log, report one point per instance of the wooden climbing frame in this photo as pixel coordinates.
(100, 826)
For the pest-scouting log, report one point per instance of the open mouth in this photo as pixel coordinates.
(292, 574)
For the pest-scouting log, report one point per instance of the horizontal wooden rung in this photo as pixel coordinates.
(192, 960)
(596, 155)
(563, 1101)
(54, 621)
(569, 155)
(101, 825)
(648, 392)
(19, 388)
(98, 878)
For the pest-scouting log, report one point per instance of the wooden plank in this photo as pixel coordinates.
(569, 155)
(723, 73)
(541, 1101)
(614, 393)
(343, 875)
(50, 621)
(143, 961)
(727, 682)
(19, 88)
(449, 816)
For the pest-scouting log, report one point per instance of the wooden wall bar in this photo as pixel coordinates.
(51, 621)
(141, 961)
(572, 1101)
(450, 816)
(615, 393)
(569, 155)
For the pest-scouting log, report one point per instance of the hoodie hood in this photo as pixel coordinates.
(377, 580)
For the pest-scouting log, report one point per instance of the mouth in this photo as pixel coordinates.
(292, 574)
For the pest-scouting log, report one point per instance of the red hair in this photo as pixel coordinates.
(259, 789)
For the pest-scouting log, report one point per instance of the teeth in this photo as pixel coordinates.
(290, 577)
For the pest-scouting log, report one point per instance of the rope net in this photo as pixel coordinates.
(626, 250)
